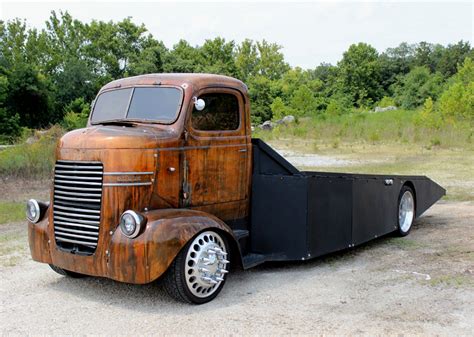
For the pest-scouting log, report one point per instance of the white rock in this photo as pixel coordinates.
(288, 119)
(389, 108)
(267, 125)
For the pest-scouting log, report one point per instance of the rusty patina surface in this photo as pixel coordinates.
(191, 170)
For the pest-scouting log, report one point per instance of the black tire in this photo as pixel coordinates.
(66, 273)
(403, 229)
(174, 280)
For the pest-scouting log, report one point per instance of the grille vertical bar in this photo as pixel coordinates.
(77, 203)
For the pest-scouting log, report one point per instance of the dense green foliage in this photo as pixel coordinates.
(49, 76)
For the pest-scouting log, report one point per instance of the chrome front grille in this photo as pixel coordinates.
(76, 205)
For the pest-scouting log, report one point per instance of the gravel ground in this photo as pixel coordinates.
(422, 284)
(316, 161)
(313, 159)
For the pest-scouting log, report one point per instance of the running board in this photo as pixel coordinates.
(252, 260)
(249, 260)
(240, 234)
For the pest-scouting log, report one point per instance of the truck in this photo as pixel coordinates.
(166, 182)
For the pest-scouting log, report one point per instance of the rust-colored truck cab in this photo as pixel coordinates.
(147, 148)
(160, 183)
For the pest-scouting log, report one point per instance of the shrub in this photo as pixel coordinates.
(303, 101)
(338, 105)
(10, 128)
(386, 101)
(428, 117)
(280, 110)
(77, 113)
(457, 101)
(416, 86)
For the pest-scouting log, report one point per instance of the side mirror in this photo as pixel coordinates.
(199, 103)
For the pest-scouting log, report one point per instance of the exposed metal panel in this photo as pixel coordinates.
(279, 213)
(329, 214)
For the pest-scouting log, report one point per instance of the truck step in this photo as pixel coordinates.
(252, 260)
(240, 234)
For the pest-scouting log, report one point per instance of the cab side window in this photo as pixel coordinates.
(221, 113)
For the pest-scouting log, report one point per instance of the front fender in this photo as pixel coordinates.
(38, 239)
(166, 232)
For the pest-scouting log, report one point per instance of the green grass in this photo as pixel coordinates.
(398, 126)
(11, 212)
(405, 243)
(456, 281)
(33, 160)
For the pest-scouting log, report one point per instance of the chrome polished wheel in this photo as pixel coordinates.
(206, 264)
(406, 211)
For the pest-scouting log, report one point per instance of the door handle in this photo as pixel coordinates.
(243, 150)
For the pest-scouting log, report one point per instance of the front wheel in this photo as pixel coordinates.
(198, 273)
(406, 210)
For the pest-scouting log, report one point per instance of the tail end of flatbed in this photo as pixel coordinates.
(427, 193)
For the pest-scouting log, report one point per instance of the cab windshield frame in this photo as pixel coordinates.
(179, 105)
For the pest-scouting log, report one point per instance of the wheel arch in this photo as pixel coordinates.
(410, 184)
(169, 231)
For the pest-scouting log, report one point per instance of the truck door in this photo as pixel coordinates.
(217, 156)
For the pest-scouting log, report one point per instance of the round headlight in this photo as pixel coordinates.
(33, 210)
(130, 223)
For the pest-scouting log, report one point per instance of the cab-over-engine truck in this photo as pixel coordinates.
(166, 181)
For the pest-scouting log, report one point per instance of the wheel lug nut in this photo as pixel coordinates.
(206, 261)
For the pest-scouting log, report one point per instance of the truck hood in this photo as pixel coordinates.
(117, 137)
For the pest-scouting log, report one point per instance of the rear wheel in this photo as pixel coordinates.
(406, 210)
(198, 273)
(65, 272)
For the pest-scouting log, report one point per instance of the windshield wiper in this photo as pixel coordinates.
(125, 122)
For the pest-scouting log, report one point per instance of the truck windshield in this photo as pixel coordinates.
(138, 104)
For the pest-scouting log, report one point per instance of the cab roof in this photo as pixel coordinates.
(196, 80)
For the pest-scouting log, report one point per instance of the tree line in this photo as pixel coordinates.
(51, 75)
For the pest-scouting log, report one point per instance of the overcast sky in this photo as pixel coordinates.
(310, 33)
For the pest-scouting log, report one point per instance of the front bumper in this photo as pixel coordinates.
(122, 260)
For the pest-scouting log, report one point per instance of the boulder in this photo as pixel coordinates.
(389, 108)
(267, 125)
(288, 119)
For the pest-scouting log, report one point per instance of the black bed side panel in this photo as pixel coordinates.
(329, 214)
(278, 226)
(375, 208)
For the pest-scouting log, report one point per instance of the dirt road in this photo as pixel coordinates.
(421, 284)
